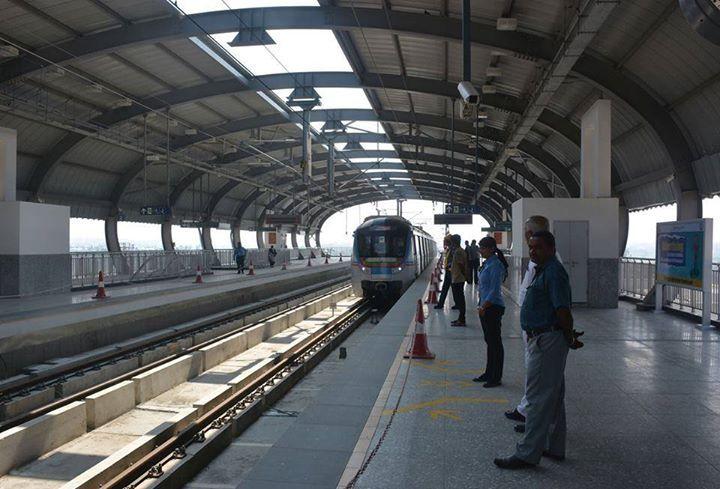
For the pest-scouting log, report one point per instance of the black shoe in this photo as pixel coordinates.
(482, 378)
(438, 307)
(515, 416)
(512, 463)
(488, 385)
(455, 308)
(551, 456)
(458, 324)
(519, 428)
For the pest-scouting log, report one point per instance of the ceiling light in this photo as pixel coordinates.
(507, 24)
(512, 152)
(482, 114)
(9, 52)
(191, 132)
(123, 102)
(489, 89)
(153, 157)
(493, 71)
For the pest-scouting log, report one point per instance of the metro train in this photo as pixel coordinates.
(388, 254)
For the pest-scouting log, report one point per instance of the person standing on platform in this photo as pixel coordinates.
(239, 254)
(447, 278)
(533, 224)
(473, 254)
(548, 323)
(272, 253)
(458, 274)
(491, 308)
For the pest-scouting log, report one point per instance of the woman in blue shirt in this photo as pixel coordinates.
(491, 308)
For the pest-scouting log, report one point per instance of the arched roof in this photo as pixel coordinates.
(100, 84)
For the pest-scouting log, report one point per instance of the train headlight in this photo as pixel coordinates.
(363, 268)
(399, 269)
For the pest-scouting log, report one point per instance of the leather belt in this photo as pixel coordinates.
(538, 331)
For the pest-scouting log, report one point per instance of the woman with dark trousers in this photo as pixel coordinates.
(491, 308)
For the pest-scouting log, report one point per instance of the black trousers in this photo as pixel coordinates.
(240, 264)
(445, 288)
(474, 265)
(458, 291)
(492, 325)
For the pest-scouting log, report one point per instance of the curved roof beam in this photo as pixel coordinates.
(597, 71)
(553, 121)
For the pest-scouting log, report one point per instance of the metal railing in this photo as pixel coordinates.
(637, 278)
(139, 266)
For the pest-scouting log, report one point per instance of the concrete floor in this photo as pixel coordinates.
(643, 404)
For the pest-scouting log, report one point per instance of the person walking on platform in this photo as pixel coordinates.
(447, 278)
(458, 274)
(548, 323)
(239, 255)
(533, 224)
(473, 254)
(272, 253)
(491, 308)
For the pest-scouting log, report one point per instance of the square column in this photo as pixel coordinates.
(596, 151)
(8, 164)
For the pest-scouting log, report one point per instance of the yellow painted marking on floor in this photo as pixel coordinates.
(448, 384)
(445, 400)
(444, 413)
(434, 367)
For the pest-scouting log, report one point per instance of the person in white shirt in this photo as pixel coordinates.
(533, 224)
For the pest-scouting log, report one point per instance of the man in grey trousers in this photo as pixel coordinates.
(546, 319)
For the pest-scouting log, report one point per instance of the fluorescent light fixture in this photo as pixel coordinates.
(191, 132)
(482, 114)
(513, 152)
(489, 89)
(498, 52)
(230, 150)
(123, 102)
(493, 71)
(153, 158)
(9, 52)
(507, 24)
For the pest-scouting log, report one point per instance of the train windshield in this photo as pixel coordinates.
(382, 244)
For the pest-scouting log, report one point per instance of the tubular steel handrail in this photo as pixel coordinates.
(637, 278)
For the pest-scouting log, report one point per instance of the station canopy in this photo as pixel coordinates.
(125, 104)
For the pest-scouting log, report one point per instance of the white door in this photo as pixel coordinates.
(571, 238)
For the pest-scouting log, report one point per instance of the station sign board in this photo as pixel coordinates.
(283, 219)
(189, 223)
(453, 219)
(462, 209)
(155, 210)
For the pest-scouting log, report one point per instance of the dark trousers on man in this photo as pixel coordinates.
(240, 261)
(445, 288)
(474, 265)
(492, 324)
(458, 291)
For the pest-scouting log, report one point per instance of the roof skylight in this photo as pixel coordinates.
(198, 6)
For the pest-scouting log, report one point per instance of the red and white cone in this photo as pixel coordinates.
(100, 294)
(419, 347)
(284, 267)
(251, 268)
(432, 294)
(309, 263)
(198, 275)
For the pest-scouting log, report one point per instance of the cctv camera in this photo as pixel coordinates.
(468, 92)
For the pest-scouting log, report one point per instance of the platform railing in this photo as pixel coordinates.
(140, 266)
(637, 277)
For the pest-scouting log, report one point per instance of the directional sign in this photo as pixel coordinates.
(462, 209)
(154, 210)
(453, 219)
(279, 219)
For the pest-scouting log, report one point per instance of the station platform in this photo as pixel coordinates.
(35, 329)
(642, 401)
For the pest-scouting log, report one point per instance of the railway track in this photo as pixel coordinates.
(287, 345)
(178, 341)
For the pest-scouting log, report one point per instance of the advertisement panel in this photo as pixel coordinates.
(680, 253)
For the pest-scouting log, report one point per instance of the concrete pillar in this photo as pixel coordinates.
(307, 238)
(595, 151)
(206, 239)
(166, 234)
(112, 241)
(260, 240)
(317, 238)
(689, 205)
(293, 238)
(8, 164)
(623, 228)
(235, 234)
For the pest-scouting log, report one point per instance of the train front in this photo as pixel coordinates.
(380, 252)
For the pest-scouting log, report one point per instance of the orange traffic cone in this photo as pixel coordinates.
(100, 294)
(309, 263)
(419, 346)
(284, 267)
(251, 269)
(432, 294)
(198, 276)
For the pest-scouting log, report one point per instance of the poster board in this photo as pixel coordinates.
(683, 258)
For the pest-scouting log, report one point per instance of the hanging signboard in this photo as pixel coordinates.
(683, 258)
(283, 219)
(154, 210)
(453, 219)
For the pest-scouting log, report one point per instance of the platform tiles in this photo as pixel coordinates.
(643, 409)
(127, 420)
(51, 335)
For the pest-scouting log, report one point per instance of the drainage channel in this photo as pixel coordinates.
(121, 426)
(51, 386)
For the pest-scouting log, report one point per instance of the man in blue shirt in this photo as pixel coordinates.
(548, 323)
(240, 253)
